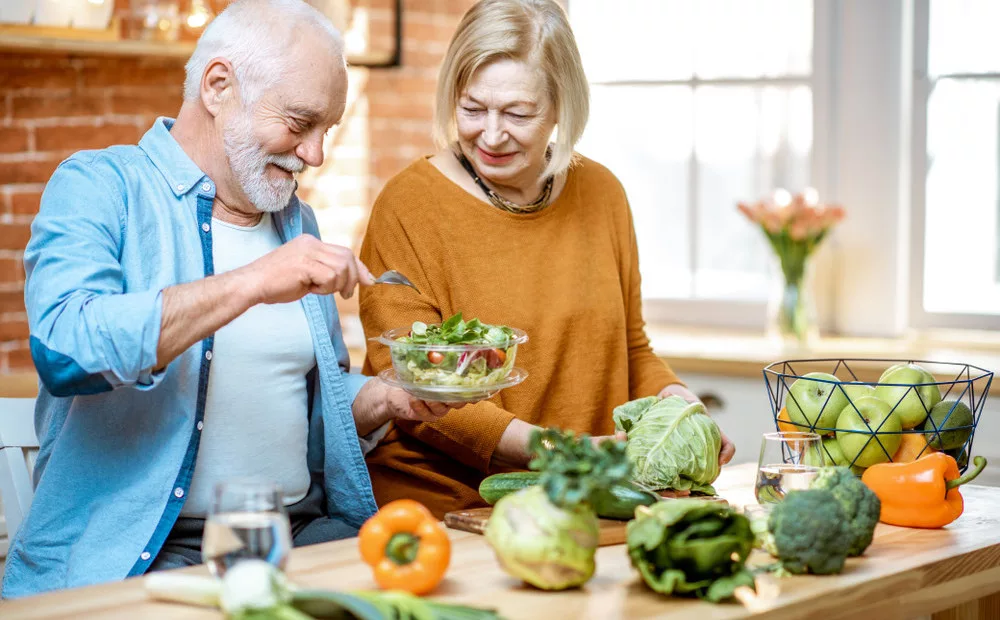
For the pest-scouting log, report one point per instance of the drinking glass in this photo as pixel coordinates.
(788, 461)
(246, 519)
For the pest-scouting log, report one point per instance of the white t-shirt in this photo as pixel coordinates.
(256, 412)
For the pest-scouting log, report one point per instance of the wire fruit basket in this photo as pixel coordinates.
(915, 408)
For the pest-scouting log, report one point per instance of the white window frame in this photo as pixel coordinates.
(922, 87)
(869, 93)
(749, 314)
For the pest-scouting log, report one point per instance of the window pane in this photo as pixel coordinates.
(750, 138)
(963, 36)
(961, 235)
(677, 39)
(749, 141)
(634, 39)
(766, 38)
(643, 135)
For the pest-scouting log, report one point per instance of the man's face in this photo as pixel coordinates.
(284, 130)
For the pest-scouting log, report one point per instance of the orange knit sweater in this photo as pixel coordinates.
(567, 275)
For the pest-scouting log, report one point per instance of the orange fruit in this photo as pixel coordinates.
(912, 447)
(785, 423)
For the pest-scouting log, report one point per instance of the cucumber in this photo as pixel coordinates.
(496, 486)
(618, 502)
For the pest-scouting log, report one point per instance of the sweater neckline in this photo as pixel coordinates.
(555, 206)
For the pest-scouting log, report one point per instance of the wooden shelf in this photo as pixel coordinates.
(78, 41)
(48, 45)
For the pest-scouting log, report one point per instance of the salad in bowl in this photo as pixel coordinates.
(456, 360)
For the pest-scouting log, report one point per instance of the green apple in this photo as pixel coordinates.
(834, 456)
(905, 393)
(948, 414)
(815, 400)
(961, 456)
(855, 391)
(862, 447)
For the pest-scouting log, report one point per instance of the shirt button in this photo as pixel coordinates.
(180, 187)
(178, 492)
(144, 556)
(206, 186)
(205, 227)
(200, 425)
(208, 355)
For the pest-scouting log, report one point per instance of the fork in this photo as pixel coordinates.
(394, 277)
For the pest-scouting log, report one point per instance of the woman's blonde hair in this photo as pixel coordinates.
(536, 32)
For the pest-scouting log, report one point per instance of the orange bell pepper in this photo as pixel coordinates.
(406, 547)
(923, 493)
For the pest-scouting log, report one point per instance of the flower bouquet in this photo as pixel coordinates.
(794, 226)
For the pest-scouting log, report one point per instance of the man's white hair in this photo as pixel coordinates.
(256, 36)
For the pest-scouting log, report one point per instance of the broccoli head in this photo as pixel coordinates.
(810, 532)
(860, 504)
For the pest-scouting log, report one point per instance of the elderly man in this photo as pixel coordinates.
(182, 321)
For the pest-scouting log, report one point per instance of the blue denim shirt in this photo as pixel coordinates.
(118, 442)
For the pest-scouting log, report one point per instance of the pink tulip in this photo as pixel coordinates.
(748, 212)
(772, 222)
(798, 231)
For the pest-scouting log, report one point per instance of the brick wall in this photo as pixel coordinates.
(51, 106)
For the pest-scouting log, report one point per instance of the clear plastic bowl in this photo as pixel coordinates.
(454, 366)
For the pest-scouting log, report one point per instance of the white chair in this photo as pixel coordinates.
(18, 449)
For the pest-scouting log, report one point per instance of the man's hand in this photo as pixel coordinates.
(304, 265)
(728, 449)
(193, 310)
(378, 403)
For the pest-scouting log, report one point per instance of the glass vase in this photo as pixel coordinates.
(791, 309)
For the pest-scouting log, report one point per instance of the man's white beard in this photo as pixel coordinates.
(248, 161)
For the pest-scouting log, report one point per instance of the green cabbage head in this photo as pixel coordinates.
(673, 444)
(549, 547)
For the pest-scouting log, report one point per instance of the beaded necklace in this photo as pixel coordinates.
(499, 201)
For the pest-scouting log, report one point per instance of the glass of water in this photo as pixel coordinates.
(246, 519)
(788, 461)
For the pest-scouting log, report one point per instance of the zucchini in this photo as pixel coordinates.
(621, 500)
(618, 502)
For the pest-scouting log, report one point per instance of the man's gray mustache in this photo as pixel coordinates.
(290, 163)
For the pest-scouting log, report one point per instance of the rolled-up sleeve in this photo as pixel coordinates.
(88, 335)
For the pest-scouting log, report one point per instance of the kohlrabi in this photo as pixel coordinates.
(547, 534)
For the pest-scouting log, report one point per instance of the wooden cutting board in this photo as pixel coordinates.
(474, 520)
(612, 531)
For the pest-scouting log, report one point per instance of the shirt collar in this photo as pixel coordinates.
(181, 173)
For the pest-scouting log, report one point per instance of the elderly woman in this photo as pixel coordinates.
(507, 227)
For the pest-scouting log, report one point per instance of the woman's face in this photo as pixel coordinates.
(505, 119)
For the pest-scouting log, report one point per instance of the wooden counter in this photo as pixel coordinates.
(906, 573)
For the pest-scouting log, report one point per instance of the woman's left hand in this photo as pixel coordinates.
(728, 449)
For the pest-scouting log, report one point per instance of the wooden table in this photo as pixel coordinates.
(953, 573)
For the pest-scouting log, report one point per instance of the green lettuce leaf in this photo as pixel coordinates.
(673, 444)
(691, 547)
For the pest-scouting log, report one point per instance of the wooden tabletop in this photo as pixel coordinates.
(905, 573)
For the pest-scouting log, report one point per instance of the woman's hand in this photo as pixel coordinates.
(728, 449)
(619, 436)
